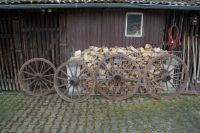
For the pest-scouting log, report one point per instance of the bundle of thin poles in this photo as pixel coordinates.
(185, 27)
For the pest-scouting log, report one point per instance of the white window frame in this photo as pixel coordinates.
(134, 13)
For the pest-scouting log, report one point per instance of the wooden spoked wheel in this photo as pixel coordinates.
(118, 77)
(36, 77)
(74, 81)
(166, 76)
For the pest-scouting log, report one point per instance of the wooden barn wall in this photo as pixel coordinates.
(82, 28)
(40, 36)
(9, 64)
(56, 35)
(24, 36)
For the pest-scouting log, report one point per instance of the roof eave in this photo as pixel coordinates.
(97, 5)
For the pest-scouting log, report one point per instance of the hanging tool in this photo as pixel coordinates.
(173, 34)
(173, 41)
(198, 55)
(196, 49)
(181, 22)
(198, 66)
(183, 31)
(188, 53)
(194, 22)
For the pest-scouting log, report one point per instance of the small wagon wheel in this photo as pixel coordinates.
(74, 81)
(36, 77)
(166, 76)
(118, 77)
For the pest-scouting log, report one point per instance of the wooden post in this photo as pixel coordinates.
(18, 48)
(62, 43)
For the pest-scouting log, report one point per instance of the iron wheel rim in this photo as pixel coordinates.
(127, 91)
(168, 77)
(84, 92)
(44, 77)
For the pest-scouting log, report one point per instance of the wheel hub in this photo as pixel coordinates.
(117, 77)
(38, 76)
(165, 76)
(74, 81)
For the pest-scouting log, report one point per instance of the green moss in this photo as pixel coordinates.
(143, 113)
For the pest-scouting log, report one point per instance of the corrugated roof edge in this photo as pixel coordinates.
(100, 5)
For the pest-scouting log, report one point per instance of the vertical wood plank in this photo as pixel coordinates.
(12, 56)
(18, 49)
(62, 34)
(3, 74)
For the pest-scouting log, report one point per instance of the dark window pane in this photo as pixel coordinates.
(134, 24)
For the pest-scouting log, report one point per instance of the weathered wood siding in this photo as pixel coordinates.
(25, 36)
(106, 27)
(56, 35)
(40, 36)
(10, 53)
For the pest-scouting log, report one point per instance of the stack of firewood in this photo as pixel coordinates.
(93, 55)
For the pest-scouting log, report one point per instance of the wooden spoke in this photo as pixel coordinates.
(82, 71)
(47, 70)
(131, 79)
(63, 85)
(156, 79)
(170, 61)
(45, 84)
(36, 67)
(104, 79)
(85, 78)
(42, 67)
(173, 85)
(29, 78)
(47, 80)
(176, 79)
(67, 89)
(156, 85)
(167, 85)
(82, 86)
(32, 82)
(70, 71)
(76, 69)
(87, 85)
(35, 86)
(85, 73)
(30, 67)
(174, 74)
(28, 73)
(162, 64)
(77, 91)
(64, 73)
(40, 87)
(172, 70)
(72, 92)
(106, 68)
(63, 78)
(48, 75)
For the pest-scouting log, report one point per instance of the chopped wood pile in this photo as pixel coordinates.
(93, 54)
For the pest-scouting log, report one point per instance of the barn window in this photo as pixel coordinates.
(134, 24)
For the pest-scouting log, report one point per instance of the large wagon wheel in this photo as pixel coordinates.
(166, 76)
(118, 77)
(36, 77)
(74, 81)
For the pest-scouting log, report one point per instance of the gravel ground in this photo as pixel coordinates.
(140, 114)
